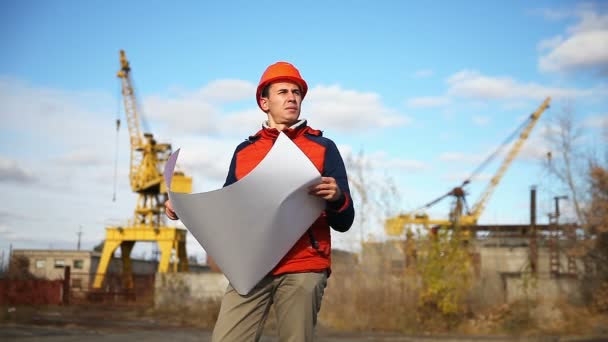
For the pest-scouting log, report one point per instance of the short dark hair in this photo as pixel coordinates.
(265, 90)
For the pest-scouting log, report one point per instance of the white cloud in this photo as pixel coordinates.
(550, 43)
(458, 177)
(11, 234)
(460, 157)
(206, 160)
(229, 91)
(428, 101)
(406, 165)
(533, 149)
(202, 111)
(424, 73)
(332, 107)
(55, 116)
(585, 47)
(327, 107)
(586, 50)
(474, 85)
(12, 172)
(188, 113)
(554, 14)
(81, 157)
(372, 160)
(597, 121)
(480, 120)
(244, 122)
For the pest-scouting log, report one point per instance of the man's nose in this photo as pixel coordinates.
(291, 97)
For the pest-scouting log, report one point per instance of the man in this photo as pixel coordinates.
(296, 285)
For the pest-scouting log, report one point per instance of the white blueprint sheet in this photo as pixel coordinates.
(249, 226)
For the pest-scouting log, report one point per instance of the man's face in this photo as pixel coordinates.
(283, 103)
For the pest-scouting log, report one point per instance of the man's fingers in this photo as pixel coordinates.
(171, 214)
(324, 186)
(169, 210)
(328, 179)
(328, 189)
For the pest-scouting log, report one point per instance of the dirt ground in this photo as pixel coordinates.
(109, 324)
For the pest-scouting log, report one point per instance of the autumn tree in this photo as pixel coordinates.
(584, 175)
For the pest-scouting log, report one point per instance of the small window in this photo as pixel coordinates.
(40, 263)
(78, 264)
(59, 263)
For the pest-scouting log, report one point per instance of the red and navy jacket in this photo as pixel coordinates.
(312, 252)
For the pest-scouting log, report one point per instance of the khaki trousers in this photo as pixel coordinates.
(296, 298)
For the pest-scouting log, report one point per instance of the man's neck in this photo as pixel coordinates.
(280, 127)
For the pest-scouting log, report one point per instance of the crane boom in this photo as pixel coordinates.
(481, 203)
(395, 225)
(130, 104)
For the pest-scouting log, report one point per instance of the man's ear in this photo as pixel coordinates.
(264, 103)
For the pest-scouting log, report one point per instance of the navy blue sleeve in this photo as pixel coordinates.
(231, 177)
(340, 214)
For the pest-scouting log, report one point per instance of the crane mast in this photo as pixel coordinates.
(458, 217)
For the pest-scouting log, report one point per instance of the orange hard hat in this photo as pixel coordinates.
(277, 72)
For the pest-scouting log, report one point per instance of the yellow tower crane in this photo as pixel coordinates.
(396, 225)
(145, 174)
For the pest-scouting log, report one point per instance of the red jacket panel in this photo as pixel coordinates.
(312, 252)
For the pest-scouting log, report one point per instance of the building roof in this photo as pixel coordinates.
(55, 251)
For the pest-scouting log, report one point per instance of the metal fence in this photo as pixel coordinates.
(112, 291)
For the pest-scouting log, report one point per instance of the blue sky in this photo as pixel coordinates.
(425, 90)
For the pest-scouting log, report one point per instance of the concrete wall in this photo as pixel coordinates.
(543, 289)
(49, 264)
(188, 290)
(501, 279)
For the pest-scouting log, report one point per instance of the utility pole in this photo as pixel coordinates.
(533, 241)
(10, 256)
(79, 235)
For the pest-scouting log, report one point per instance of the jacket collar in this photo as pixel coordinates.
(297, 129)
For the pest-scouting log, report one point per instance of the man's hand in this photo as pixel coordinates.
(169, 211)
(328, 189)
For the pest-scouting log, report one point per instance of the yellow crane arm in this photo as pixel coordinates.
(481, 203)
(130, 103)
(394, 226)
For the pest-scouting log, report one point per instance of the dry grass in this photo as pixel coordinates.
(358, 301)
(378, 298)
